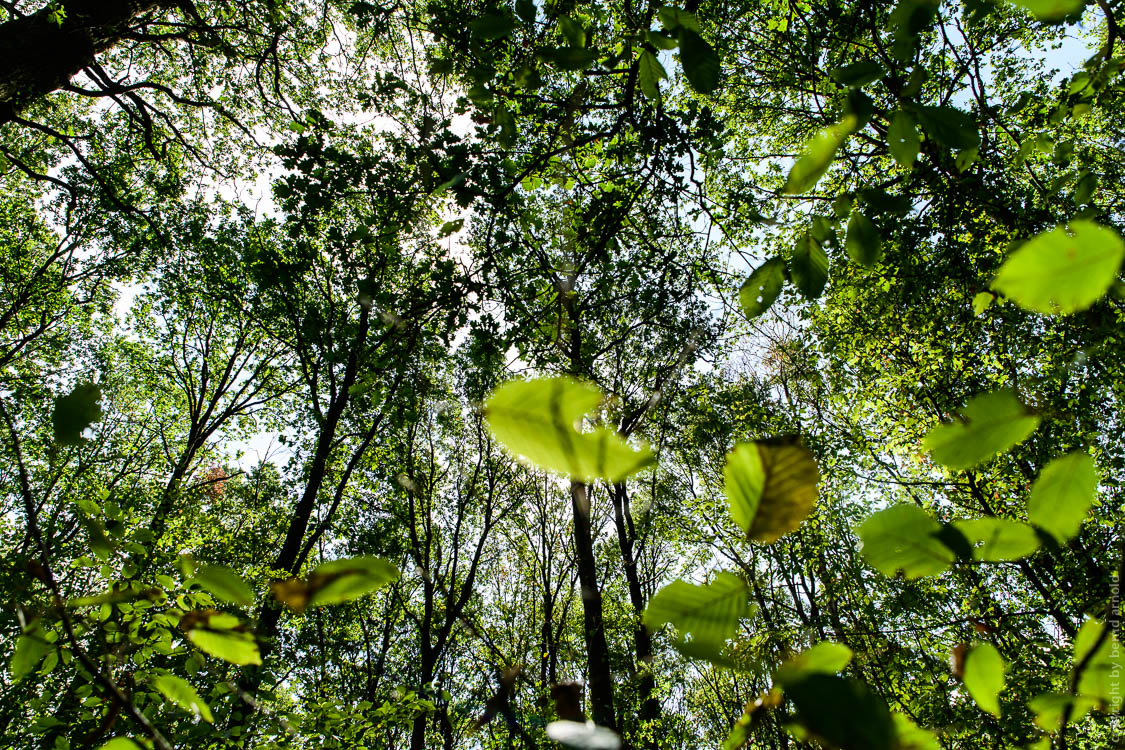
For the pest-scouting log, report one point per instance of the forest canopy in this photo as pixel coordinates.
(487, 374)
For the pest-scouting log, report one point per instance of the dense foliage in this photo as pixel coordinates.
(482, 374)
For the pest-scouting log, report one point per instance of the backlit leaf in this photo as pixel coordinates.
(863, 242)
(537, 420)
(993, 422)
(1063, 270)
(823, 658)
(1103, 676)
(1050, 10)
(763, 286)
(858, 74)
(787, 475)
(700, 61)
(222, 636)
(809, 267)
(704, 616)
(984, 676)
(649, 74)
(1062, 495)
(903, 538)
(225, 584)
(949, 126)
(180, 692)
(902, 139)
(817, 156)
(998, 539)
(30, 649)
(584, 735)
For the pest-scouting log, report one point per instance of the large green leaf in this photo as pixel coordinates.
(858, 74)
(492, 26)
(760, 290)
(700, 61)
(75, 412)
(649, 75)
(993, 422)
(222, 636)
(902, 139)
(583, 735)
(1050, 10)
(843, 712)
(225, 584)
(863, 242)
(817, 156)
(912, 737)
(341, 581)
(536, 419)
(1062, 495)
(120, 743)
(1049, 708)
(809, 267)
(903, 538)
(949, 126)
(1103, 675)
(771, 488)
(704, 616)
(31, 647)
(823, 658)
(180, 692)
(998, 539)
(984, 676)
(1063, 270)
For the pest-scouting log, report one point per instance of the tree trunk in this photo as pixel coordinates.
(642, 640)
(600, 683)
(38, 55)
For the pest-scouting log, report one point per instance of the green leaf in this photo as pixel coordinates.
(75, 412)
(771, 488)
(525, 9)
(120, 743)
(30, 649)
(843, 712)
(344, 580)
(1062, 494)
(912, 737)
(760, 290)
(649, 74)
(1050, 707)
(492, 26)
(700, 61)
(536, 419)
(993, 422)
(863, 242)
(902, 139)
(949, 126)
(1063, 270)
(984, 676)
(705, 617)
(999, 539)
(216, 634)
(570, 58)
(817, 156)
(904, 538)
(858, 74)
(674, 19)
(744, 477)
(809, 267)
(982, 301)
(1103, 676)
(180, 692)
(572, 31)
(1050, 10)
(823, 658)
(661, 41)
(225, 584)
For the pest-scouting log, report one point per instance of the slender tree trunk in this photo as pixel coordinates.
(600, 682)
(39, 55)
(642, 640)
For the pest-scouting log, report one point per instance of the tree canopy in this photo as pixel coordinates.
(488, 374)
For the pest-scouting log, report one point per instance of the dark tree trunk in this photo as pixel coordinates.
(38, 56)
(642, 640)
(600, 682)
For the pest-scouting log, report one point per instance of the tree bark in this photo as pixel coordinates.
(599, 680)
(38, 55)
(642, 640)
